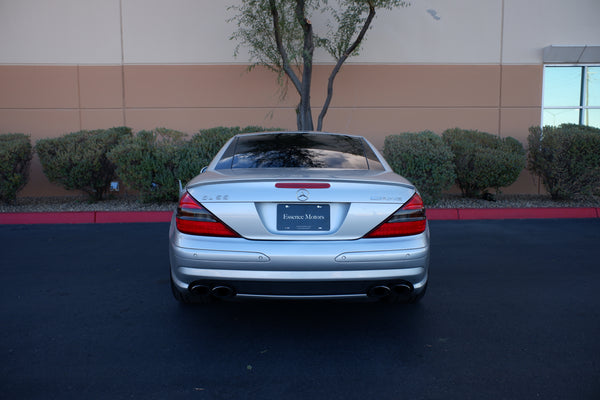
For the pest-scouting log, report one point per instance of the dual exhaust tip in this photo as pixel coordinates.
(403, 290)
(219, 291)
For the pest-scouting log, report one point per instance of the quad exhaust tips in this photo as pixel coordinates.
(400, 290)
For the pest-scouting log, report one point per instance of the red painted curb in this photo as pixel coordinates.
(84, 217)
(106, 217)
(434, 214)
(526, 213)
(442, 214)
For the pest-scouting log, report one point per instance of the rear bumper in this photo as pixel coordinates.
(298, 284)
(298, 269)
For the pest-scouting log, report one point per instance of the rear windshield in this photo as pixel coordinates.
(299, 150)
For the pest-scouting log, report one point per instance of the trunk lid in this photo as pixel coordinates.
(301, 204)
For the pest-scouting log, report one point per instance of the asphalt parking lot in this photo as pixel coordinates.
(512, 312)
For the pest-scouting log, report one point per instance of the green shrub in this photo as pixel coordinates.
(204, 145)
(15, 156)
(78, 161)
(153, 162)
(148, 161)
(483, 161)
(567, 158)
(424, 159)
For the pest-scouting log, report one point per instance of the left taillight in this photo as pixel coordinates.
(194, 219)
(408, 220)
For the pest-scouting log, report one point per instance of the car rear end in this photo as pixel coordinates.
(299, 233)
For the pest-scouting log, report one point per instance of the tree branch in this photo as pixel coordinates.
(279, 41)
(341, 61)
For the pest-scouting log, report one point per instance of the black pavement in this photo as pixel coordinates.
(512, 312)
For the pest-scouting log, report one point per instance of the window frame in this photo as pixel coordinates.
(583, 92)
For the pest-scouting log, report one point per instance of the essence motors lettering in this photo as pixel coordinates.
(305, 217)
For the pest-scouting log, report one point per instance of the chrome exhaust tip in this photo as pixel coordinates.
(402, 289)
(199, 289)
(222, 291)
(378, 291)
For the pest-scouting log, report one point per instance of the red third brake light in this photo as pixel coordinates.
(302, 185)
(194, 219)
(408, 220)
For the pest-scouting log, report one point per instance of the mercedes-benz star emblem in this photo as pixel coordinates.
(302, 195)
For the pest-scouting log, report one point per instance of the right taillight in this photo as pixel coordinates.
(194, 219)
(408, 220)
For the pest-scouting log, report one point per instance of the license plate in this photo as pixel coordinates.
(303, 217)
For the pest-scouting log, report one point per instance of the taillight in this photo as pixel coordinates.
(408, 220)
(194, 219)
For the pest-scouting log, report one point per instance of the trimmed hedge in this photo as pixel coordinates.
(78, 161)
(15, 157)
(204, 146)
(148, 162)
(567, 158)
(152, 162)
(484, 161)
(424, 159)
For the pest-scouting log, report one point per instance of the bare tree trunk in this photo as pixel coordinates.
(305, 121)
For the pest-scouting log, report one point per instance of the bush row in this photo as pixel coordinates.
(567, 158)
(150, 162)
(475, 161)
(15, 156)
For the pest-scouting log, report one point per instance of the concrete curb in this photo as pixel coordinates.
(434, 214)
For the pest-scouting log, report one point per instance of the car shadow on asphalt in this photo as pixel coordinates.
(305, 318)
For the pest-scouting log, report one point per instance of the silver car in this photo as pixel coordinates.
(299, 215)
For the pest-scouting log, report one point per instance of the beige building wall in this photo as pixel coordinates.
(68, 65)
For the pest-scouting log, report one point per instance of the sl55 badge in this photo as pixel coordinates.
(217, 197)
